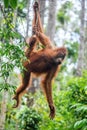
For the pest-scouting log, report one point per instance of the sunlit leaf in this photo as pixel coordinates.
(80, 124)
(6, 3)
(13, 3)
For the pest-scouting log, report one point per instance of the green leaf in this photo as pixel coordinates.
(16, 35)
(80, 124)
(60, 17)
(13, 3)
(6, 3)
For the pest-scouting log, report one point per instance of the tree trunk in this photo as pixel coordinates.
(85, 51)
(42, 10)
(15, 18)
(27, 17)
(3, 109)
(51, 19)
(80, 63)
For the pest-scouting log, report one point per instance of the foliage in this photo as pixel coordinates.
(78, 89)
(11, 120)
(12, 56)
(63, 15)
(71, 106)
(12, 3)
(82, 124)
(25, 119)
(72, 48)
(20, 9)
(64, 119)
(70, 100)
(28, 119)
(11, 50)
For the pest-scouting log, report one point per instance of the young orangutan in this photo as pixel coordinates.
(43, 62)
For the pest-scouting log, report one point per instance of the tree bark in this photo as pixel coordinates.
(85, 50)
(27, 17)
(42, 10)
(51, 19)
(3, 109)
(80, 63)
